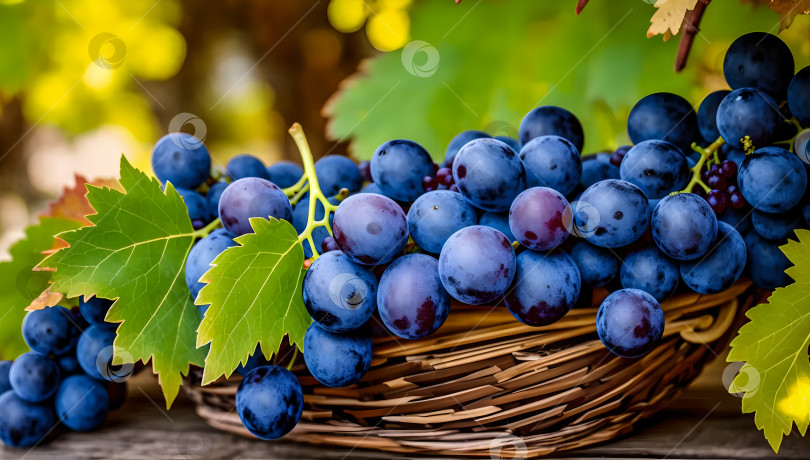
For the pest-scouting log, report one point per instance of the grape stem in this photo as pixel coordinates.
(203, 232)
(705, 154)
(292, 360)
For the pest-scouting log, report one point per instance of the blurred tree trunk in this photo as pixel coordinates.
(13, 162)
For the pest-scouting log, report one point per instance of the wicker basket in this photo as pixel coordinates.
(485, 383)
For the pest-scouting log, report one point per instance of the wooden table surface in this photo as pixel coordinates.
(704, 423)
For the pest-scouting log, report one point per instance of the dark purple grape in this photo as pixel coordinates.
(477, 264)
(370, 229)
(329, 244)
(489, 174)
(444, 176)
(617, 156)
(430, 183)
(718, 201)
(545, 287)
(684, 226)
(735, 197)
(365, 170)
(539, 218)
(630, 322)
(252, 197)
(716, 181)
(729, 169)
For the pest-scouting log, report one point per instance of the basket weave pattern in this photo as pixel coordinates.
(486, 382)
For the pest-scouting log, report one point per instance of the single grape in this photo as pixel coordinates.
(477, 264)
(550, 120)
(739, 218)
(747, 112)
(597, 167)
(552, 161)
(597, 266)
(729, 169)
(300, 216)
(798, 96)
(766, 262)
(545, 288)
(436, 215)
(617, 156)
(95, 344)
(411, 299)
(81, 403)
(202, 254)
(489, 174)
(717, 181)
(50, 330)
(339, 294)
(445, 177)
(252, 197)
(499, 221)
(720, 267)
(630, 322)
(284, 173)
(718, 201)
(34, 377)
(759, 60)
(684, 226)
(429, 184)
(244, 165)
(735, 197)
(181, 159)
(539, 218)
(656, 167)
(329, 244)
(365, 170)
(269, 402)
(195, 203)
(94, 310)
(511, 142)
(778, 226)
(649, 270)
(24, 424)
(398, 168)
(707, 115)
(212, 199)
(335, 172)
(460, 141)
(611, 213)
(337, 360)
(663, 116)
(772, 179)
(5, 384)
(370, 229)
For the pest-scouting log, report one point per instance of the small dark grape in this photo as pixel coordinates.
(329, 244)
(716, 181)
(617, 156)
(715, 169)
(365, 170)
(735, 197)
(729, 169)
(444, 176)
(718, 201)
(430, 183)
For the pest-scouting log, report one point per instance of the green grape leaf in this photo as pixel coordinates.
(24, 284)
(254, 290)
(774, 346)
(136, 252)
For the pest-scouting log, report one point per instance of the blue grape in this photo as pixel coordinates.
(766, 262)
(477, 264)
(181, 159)
(759, 60)
(597, 266)
(81, 403)
(436, 215)
(611, 213)
(411, 299)
(707, 115)
(252, 197)
(540, 218)
(458, 142)
(336, 172)
(94, 310)
(552, 161)
(398, 168)
(68, 364)
(339, 294)
(551, 120)
(93, 342)
(798, 96)
(777, 226)
(720, 267)
(684, 226)
(597, 168)
(244, 165)
(284, 173)
(24, 424)
(202, 254)
(510, 141)
(663, 116)
(630, 322)
(545, 287)
(337, 360)
(656, 167)
(747, 112)
(370, 229)
(34, 377)
(740, 219)
(212, 199)
(489, 174)
(50, 330)
(269, 402)
(649, 270)
(255, 360)
(772, 179)
(499, 221)
(5, 384)
(300, 216)
(195, 203)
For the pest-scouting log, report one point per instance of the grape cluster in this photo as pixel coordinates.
(66, 381)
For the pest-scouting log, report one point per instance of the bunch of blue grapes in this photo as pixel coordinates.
(66, 382)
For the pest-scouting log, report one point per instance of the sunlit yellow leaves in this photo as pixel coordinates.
(387, 21)
(669, 16)
(789, 9)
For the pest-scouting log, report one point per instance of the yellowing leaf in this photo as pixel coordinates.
(789, 9)
(73, 204)
(669, 16)
(774, 346)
